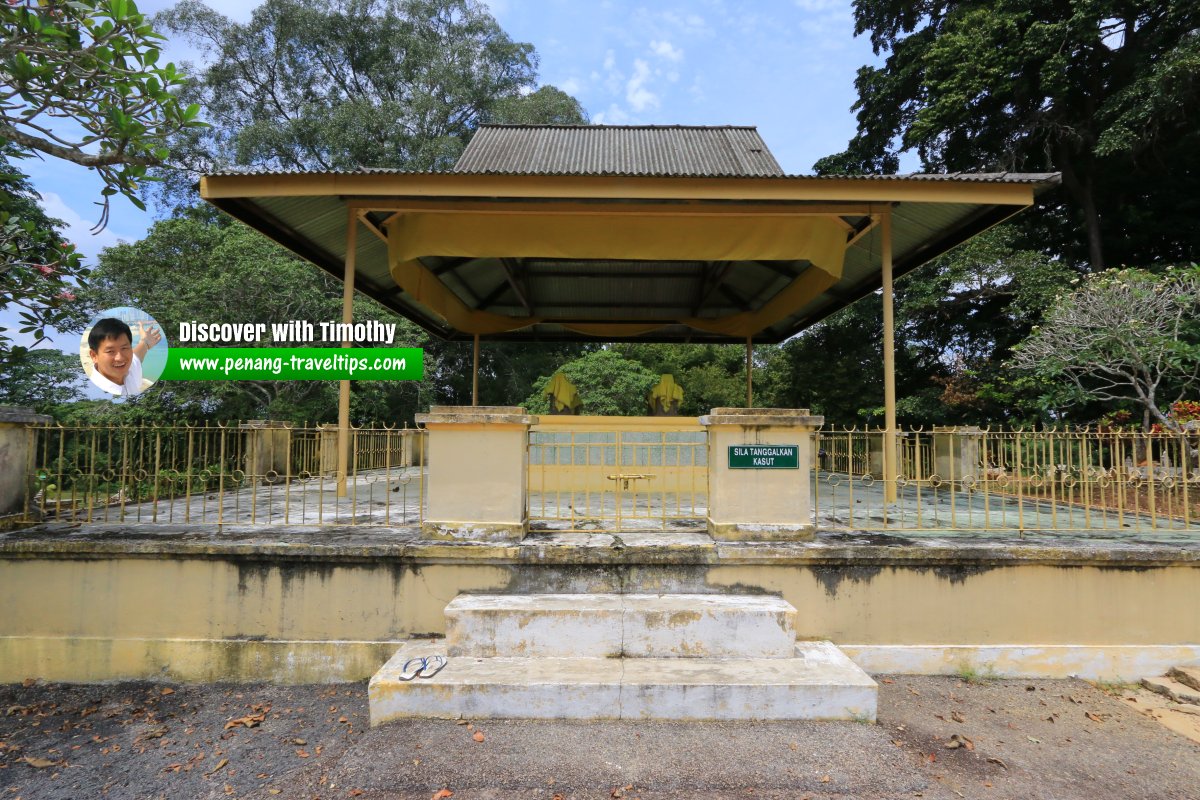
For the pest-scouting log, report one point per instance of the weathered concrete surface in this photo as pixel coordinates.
(477, 474)
(819, 683)
(1187, 674)
(1168, 687)
(156, 601)
(17, 443)
(621, 625)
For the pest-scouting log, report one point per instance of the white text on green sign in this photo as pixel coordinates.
(769, 456)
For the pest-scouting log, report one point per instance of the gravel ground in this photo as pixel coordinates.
(1016, 739)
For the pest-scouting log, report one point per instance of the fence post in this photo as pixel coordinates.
(18, 442)
(268, 450)
(477, 473)
(755, 492)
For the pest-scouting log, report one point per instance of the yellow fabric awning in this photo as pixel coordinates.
(413, 235)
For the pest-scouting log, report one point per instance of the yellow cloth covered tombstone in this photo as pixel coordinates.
(564, 399)
(666, 397)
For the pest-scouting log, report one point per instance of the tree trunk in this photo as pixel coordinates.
(1080, 189)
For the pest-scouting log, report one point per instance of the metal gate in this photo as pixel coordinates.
(609, 478)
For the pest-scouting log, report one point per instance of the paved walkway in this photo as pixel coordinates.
(394, 498)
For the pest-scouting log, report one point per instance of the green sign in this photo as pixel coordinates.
(764, 456)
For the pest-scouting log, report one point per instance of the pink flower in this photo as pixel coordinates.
(45, 269)
(66, 294)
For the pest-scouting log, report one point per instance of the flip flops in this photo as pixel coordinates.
(422, 667)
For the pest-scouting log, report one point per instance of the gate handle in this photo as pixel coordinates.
(625, 479)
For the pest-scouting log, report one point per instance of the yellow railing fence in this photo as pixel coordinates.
(256, 472)
(972, 479)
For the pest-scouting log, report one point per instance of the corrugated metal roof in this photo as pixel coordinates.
(659, 150)
(971, 177)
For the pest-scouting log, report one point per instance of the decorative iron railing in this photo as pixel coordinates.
(237, 473)
(979, 479)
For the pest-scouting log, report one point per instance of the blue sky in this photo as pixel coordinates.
(787, 66)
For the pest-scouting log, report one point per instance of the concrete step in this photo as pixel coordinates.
(819, 683)
(1179, 692)
(616, 625)
(1188, 675)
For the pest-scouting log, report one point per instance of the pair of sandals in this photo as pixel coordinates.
(422, 667)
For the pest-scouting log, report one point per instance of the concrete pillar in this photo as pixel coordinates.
(956, 452)
(477, 479)
(327, 460)
(268, 450)
(754, 493)
(18, 442)
(875, 463)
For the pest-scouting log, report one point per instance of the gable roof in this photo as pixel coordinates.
(649, 150)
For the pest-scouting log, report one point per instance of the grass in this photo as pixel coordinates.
(970, 673)
(1114, 688)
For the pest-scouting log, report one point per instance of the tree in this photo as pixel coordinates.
(202, 266)
(38, 267)
(43, 380)
(1122, 336)
(608, 385)
(712, 376)
(342, 84)
(94, 64)
(1103, 91)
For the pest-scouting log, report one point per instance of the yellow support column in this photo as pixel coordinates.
(890, 467)
(343, 468)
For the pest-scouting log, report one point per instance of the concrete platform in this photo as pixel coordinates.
(621, 625)
(820, 683)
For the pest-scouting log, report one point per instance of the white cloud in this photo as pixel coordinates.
(570, 86)
(613, 115)
(664, 49)
(78, 229)
(613, 77)
(636, 94)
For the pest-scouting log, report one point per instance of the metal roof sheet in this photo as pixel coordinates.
(970, 177)
(675, 150)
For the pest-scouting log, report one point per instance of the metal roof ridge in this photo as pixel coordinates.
(578, 126)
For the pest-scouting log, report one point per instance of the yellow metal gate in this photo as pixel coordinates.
(614, 474)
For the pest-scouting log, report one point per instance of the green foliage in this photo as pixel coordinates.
(38, 269)
(547, 106)
(93, 63)
(1123, 336)
(712, 376)
(1104, 92)
(608, 384)
(341, 84)
(43, 380)
(957, 319)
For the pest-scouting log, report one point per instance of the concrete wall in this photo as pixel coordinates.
(74, 615)
(17, 439)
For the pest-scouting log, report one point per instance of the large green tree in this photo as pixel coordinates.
(1104, 91)
(38, 267)
(79, 81)
(82, 82)
(608, 384)
(1125, 336)
(957, 320)
(342, 84)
